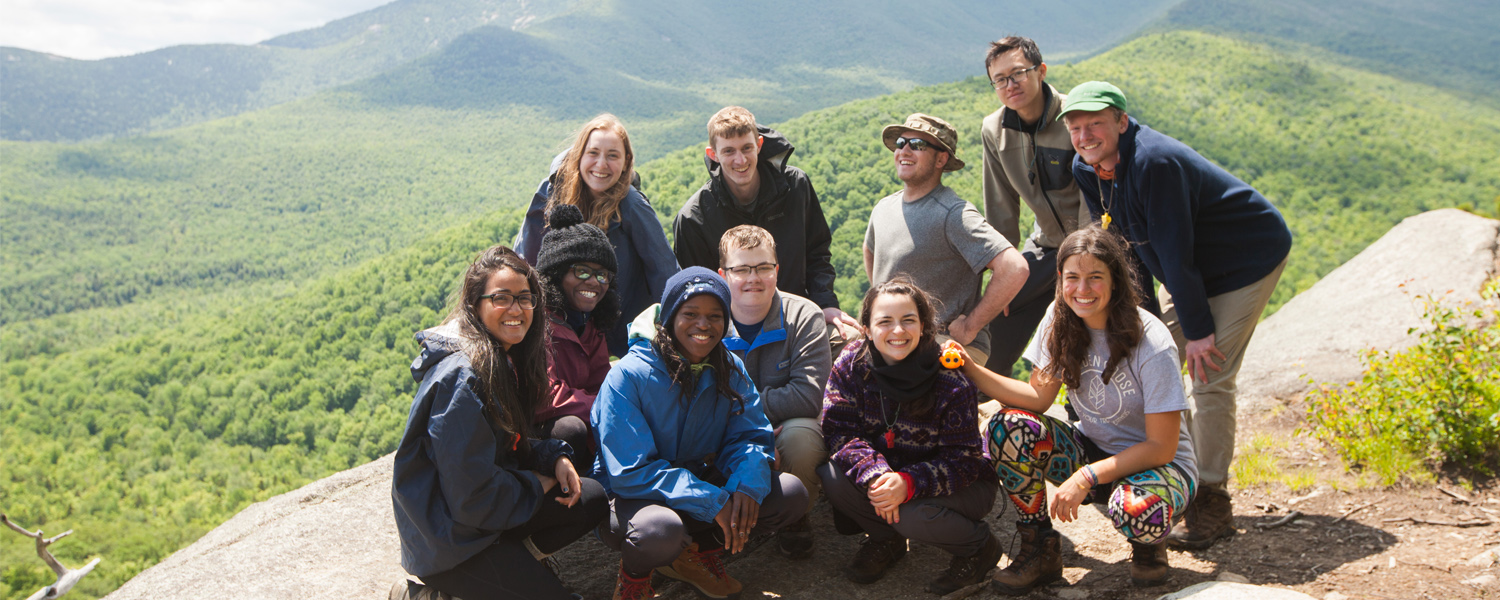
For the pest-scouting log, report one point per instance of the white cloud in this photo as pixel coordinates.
(91, 29)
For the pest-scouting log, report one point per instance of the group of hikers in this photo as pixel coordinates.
(742, 393)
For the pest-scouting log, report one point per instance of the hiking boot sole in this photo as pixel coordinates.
(669, 573)
(1000, 588)
(1149, 582)
(1203, 544)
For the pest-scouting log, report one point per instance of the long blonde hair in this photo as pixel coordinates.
(603, 209)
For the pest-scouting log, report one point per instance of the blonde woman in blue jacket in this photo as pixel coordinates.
(685, 450)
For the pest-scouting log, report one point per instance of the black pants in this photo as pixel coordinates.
(648, 534)
(575, 432)
(1010, 334)
(507, 571)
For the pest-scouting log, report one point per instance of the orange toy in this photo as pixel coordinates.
(951, 358)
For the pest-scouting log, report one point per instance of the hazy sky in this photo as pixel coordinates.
(104, 28)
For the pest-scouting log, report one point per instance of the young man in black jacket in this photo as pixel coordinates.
(750, 183)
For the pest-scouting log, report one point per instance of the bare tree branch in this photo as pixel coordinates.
(66, 578)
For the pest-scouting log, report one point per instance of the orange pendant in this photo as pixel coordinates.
(1106, 221)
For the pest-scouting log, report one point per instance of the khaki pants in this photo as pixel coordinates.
(802, 450)
(1212, 419)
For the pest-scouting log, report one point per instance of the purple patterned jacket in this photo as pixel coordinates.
(942, 455)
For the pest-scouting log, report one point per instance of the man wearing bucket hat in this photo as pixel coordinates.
(940, 241)
(1217, 246)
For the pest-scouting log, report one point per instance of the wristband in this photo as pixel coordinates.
(911, 489)
(1089, 475)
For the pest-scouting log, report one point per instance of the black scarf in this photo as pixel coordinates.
(909, 379)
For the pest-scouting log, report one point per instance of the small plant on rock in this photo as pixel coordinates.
(1435, 403)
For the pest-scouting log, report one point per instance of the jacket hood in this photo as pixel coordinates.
(775, 151)
(437, 344)
(643, 329)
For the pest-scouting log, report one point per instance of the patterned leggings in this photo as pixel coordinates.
(1030, 449)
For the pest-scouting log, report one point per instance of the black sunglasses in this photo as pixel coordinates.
(583, 273)
(917, 144)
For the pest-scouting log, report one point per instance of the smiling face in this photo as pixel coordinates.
(583, 295)
(1025, 95)
(916, 167)
(602, 161)
(1087, 289)
(738, 156)
(895, 326)
(509, 325)
(698, 326)
(751, 293)
(1096, 135)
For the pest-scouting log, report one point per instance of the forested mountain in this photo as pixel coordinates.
(143, 439)
(1447, 43)
(791, 56)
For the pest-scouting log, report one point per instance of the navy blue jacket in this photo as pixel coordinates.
(456, 488)
(645, 259)
(1199, 230)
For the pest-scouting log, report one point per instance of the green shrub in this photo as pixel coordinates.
(1433, 404)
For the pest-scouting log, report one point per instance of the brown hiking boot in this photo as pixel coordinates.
(633, 588)
(795, 541)
(406, 589)
(964, 571)
(1209, 517)
(704, 571)
(874, 558)
(1148, 564)
(1037, 563)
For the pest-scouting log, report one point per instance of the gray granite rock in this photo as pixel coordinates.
(1223, 590)
(1368, 302)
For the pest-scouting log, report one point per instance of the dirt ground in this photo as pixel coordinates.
(1364, 555)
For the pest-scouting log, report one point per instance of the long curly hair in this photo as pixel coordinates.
(568, 187)
(902, 285)
(665, 345)
(1069, 339)
(510, 397)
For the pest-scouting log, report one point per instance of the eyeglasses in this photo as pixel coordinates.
(503, 300)
(583, 273)
(1005, 81)
(762, 269)
(917, 144)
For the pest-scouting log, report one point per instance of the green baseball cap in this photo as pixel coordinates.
(1091, 96)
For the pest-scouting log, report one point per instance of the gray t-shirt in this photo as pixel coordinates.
(1113, 415)
(942, 243)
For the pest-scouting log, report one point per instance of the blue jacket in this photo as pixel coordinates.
(653, 443)
(645, 259)
(1199, 230)
(454, 491)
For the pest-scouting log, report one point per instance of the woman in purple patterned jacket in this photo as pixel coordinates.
(906, 455)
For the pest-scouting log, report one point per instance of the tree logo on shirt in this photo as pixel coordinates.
(1100, 401)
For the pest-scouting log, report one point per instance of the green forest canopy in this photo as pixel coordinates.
(146, 440)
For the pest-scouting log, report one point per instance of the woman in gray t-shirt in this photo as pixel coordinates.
(1131, 445)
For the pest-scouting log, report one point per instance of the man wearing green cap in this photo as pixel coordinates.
(1217, 246)
(1027, 157)
(938, 240)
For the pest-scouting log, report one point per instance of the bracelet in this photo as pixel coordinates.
(1090, 475)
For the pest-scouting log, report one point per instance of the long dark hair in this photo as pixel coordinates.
(568, 187)
(901, 285)
(510, 398)
(665, 345)
(1068, 342)
(605, 313)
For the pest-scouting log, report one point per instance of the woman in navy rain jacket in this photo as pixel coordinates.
(479, 502)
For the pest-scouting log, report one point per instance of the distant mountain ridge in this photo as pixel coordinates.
(801, 55)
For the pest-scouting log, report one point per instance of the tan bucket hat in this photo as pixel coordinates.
(947, 137)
